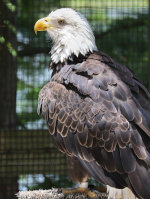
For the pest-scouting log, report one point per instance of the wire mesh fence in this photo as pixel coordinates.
(28, 158)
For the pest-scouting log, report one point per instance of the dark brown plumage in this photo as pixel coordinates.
(98, 112)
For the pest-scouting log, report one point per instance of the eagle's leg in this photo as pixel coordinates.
(101, 189)
(82, 188)
(79, 175)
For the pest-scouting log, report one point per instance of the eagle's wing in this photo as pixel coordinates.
(99, 112)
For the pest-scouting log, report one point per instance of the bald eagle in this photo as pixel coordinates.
(96, 109)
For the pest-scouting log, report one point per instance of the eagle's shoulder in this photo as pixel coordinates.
(101, 71)
(106, 83)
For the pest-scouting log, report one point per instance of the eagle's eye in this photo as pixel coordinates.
(61, 21)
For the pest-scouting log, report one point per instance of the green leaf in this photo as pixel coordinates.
(2, 40)
(11, 6)
(11, 49)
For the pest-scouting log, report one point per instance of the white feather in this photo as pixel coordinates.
(125, 193)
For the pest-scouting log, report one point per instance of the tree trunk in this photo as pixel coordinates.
(8, 61)
(8, 187)
(8, 84)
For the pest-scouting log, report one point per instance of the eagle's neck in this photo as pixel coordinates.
(74, 44)
(71, 60)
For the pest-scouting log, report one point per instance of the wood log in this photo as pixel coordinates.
(55, 194)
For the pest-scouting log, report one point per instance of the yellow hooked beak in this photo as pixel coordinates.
(42, 24)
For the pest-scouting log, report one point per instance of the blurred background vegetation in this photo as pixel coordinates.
(28, 158)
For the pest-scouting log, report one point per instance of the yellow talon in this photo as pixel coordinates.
(80, 190)
(91, 194)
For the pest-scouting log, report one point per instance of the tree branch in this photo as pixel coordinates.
(55, 194)
(30, 51)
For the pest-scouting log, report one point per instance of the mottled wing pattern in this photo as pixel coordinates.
(98, 112)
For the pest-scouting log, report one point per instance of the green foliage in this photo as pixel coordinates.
(97, 17)
(104, 3)
(33, 94)
(49, 182)
(2, 40)
(10, 26)
(10, 6)
(56, 181)
(130, 48)
(11, 49)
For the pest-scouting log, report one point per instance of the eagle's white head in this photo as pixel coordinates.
(70, 32)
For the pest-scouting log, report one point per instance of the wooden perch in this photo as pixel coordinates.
(55, 194)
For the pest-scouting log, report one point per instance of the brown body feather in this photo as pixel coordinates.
(98, 112)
